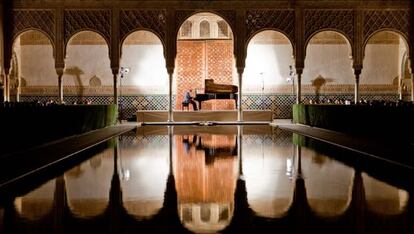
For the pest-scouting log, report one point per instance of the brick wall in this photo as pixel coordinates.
(204, 59)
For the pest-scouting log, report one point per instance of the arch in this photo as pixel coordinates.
(291, 41)
(87, 197)
(20, 33)
(74, 34)
(145, 52)
(232, 29)
(384, 199)
(138, 30)
(204, 62)
(392, 30)
(38, 203)
(328, 183)
(35, 55)
(222, 27)
(52, 42)
(205, 30)
(339, 32)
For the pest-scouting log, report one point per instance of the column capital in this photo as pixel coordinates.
(170, 70)
(115, 71)
(357, 71)
(59, 71)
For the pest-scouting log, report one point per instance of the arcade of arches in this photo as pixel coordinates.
(274, 58)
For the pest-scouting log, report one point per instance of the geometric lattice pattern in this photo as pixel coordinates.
(280, 104)
(43, 20)
(375, 20)
(131, 20)
(96, 20)
(340, 20)
(281, 20)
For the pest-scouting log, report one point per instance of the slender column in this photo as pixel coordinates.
(59, 72)
(239, 148)
(7, 86)
(412, 86)
(357, 73)
(170, 96)
(299, 85)
(115, 74)
(240, 95)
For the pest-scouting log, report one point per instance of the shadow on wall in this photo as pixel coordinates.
(76, 72)
(317, 83)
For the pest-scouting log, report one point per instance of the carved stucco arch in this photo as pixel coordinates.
(339, 32)
(86, 30)
(133, 20)
(141, 30)
(273, 30)
(391, 30)
(182, 16)
(18, 34)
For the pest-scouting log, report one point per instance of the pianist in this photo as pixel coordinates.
(189, 99)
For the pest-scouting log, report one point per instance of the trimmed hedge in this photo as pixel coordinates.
(389, 121)
(28, 125)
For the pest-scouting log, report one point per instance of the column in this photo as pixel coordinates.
(59, 72)
(412, 86)
(240, 95)
(7, 86)
(357, 73)
(170, 96)
(299, 85)
(115, 75)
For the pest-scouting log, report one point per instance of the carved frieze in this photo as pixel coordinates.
(229, 16)
(320, 19)
(95, 20)
(180, 16)
(154, 20)
(43, 20)
(281, 20)
(375, 20)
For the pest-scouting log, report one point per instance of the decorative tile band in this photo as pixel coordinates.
(280, 104)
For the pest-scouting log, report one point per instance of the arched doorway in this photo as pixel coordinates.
(87, 77)
(145, 86)
(382, 78)
(328, 75)
(33, 76)
(268, 76)
(204, 51)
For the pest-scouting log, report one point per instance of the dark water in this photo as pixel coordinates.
(214, 179)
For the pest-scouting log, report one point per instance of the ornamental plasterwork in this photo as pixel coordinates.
(339, 20)
(281, 20)
(43, 20)
(154, 20)
(95, 20)
(375, 20)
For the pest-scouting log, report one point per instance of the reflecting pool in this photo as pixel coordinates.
(227, 179)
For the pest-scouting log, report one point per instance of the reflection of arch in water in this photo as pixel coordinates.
(206, 217)
(329, 184)
(382, 198)
(38, 203)
(88, 196)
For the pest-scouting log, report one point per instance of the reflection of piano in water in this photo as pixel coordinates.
(216, 151)
(216, 91)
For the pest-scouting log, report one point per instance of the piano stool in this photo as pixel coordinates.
(185, 105)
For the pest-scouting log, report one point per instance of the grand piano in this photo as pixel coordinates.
(216, 91)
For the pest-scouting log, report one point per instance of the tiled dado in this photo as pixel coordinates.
(159, 90)
(280, 104)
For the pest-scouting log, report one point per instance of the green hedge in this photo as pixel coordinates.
(25, 125)
(394, 121)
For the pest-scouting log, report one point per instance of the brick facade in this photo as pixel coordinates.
(204, 59)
